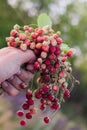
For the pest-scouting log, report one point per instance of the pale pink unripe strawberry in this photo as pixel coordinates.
(38, 45)
(22, 36)
(43, 66)
(39, 39)
(7, 39)
(62, 74)
(45, 48)
(59, 41)
(43, 54)
(32, 45)
(55, 36)
(26, 27)
(23, 47)
(55, 88)
(16, 27)
(40, 60)
(53, 42)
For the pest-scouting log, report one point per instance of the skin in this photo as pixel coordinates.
(12, 74)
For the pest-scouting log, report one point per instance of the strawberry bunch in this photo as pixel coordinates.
(53, 67)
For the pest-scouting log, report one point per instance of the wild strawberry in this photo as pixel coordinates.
(32, 45)
(38, 45)
(52, 49)
(59, 41)
(62, 74)
(43, 66)
(39, 39)
(36, 66)
(43, 54)
(47, 62)
(29, 94)
(45, 88)
(39, 31)
(46, 119)
(20, 113)
(37, 95)
(22, 36)
(25, 106)
(55, 88)
(23, 123)
(30, 102)
(67, 94)
(50, 97)
(28, 115)
(69, 53)
(42, 107)
(27, 42)
(33, 110)
(13, 33)
(45, 48)
(23, 47)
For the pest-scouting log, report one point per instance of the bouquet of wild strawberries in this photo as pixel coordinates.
(55, 80)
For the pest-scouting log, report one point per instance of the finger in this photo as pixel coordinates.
(30, 68)
(4, 51)
(25, 76)
(17, 82)
(9, 88)
(27, 56)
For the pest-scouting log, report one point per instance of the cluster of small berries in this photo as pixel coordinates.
(52, 64)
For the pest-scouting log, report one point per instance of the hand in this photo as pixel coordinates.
(10, 65)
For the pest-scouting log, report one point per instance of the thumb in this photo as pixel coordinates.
(26, 56)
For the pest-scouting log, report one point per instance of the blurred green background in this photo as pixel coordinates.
(70, 17)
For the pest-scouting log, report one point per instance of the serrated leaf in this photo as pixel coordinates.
(44, 20)
(64, 47)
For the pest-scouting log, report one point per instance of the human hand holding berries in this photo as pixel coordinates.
(12, 76)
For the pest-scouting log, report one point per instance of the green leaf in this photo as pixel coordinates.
(44, 20)
(64, 47)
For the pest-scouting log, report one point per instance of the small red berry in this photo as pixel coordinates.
(23, 123)
(20, 113)
(52, 49)
(37, 95)
(45, 88)
(46, 120)
(29, 94)
(25, 106)
(42, 107)
(67, 94)
(27, 42)
(69, 53)
(30, 102)
(36, 66)
(28, 115)
(50, 97)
